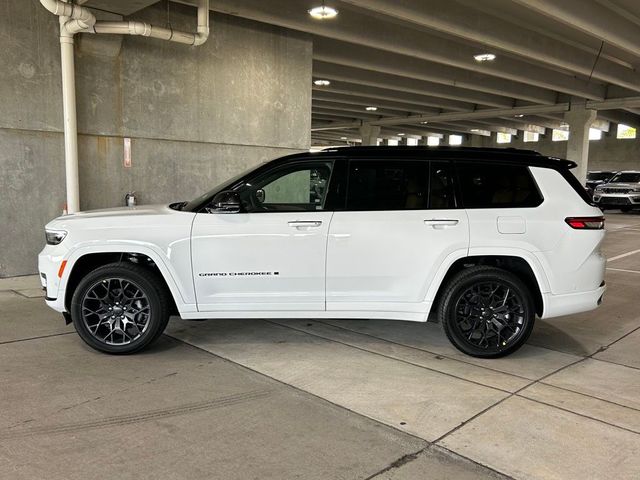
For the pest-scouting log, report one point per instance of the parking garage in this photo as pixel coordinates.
(109, 103)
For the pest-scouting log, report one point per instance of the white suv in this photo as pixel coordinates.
(486, 238)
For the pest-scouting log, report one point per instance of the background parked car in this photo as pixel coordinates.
(622, 191)
(597, 177)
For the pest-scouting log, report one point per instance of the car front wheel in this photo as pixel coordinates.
(487, 312)
(120, 308)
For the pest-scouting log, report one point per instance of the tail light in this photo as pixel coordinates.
(585, 223)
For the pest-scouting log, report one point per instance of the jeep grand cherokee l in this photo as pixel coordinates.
(622, 191)
(485, 238)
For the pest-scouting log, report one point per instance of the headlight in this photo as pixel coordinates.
(54, 237)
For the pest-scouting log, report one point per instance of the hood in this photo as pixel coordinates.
(121, 215)
(122, 211)
(620, 185)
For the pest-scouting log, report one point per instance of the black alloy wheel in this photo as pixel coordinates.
(120, 308)
(487, 312)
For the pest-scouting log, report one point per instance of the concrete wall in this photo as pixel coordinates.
(609, 153)
(196, 115)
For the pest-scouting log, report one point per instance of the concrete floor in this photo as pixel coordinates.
(326, 400)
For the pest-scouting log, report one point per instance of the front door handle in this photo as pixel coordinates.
(441, 222)
(305, 223)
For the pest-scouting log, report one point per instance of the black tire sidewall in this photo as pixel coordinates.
(151, 287)
(460, 284)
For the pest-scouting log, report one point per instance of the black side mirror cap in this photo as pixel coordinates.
(225, 202)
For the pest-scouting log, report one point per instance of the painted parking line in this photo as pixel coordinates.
(617, 257)
(622, 270)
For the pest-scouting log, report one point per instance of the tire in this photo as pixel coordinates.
(473, 319)
(120, 308)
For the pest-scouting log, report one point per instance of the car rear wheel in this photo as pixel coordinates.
(120, 308)
(487, 312)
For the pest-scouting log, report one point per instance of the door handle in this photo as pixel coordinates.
(305, 223)
(441, 222)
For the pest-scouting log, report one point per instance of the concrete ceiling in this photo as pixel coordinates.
(412, 58)
(121, 7)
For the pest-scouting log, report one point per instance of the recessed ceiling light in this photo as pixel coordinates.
(343, 138)
(519, 115)
(474, 130)
(322, 83)
(371, 109)
(424, 123)
(323, 12)
(484, 57)
(400, 134)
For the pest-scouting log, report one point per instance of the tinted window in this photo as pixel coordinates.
(486, 185)
(593, 176)
(299, 187)
(626, 177)
(388, 185)
(442, 191)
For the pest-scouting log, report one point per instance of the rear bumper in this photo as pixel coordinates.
(558, 305)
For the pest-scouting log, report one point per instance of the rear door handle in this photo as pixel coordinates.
(441, 222)
(305, 223)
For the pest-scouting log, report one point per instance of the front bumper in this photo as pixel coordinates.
(49, 262)
(617, 199)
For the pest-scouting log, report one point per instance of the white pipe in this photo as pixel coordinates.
(69, 119)
(82, 20)
(75, 19)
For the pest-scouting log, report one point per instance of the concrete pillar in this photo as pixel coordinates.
(579, 119)
(369, 134)
(476, 141)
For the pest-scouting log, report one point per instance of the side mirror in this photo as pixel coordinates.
(225, 202)
(260, 195)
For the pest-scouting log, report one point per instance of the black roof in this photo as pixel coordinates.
(509, 155)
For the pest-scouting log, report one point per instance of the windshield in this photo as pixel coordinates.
(196, 202)
(593, 176)
(626, 177)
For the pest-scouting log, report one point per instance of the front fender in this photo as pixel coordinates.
(178, 280)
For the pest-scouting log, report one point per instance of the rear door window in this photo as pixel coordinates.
(388, 185)
(441, 192)
(487, 185)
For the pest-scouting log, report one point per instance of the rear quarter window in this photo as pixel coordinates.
(486, 185)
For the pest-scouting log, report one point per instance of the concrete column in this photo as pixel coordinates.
(369, 134)
(579, 119)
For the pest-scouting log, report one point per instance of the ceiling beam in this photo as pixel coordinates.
(494, 33)
(394, 96)
(394, 38)
(358, 56)
(592, 18)
(347, 99)
(381, 112)
(405, 84)
(336, 126)
(500, 112)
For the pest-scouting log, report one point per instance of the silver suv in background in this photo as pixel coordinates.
(598, 177)
(622, 191)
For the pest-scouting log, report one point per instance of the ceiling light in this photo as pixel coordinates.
(424, 123)
(371, 109)
(474, 130)
(400, 134)
(343, 138)
(519, 115)
(484, 57)
(323, 12)
(322, 83)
